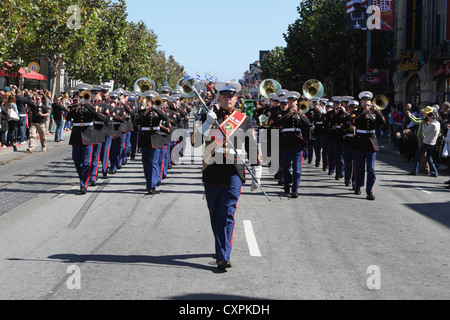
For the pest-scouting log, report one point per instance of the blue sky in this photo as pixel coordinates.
(220, 37)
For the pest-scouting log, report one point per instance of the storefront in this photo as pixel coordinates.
(441, 77)
(22, 78)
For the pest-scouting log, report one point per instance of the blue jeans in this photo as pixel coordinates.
(59, 129)
(428, 149)
(22, 129)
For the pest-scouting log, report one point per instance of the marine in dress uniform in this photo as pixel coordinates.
(318, 114)
(366, 143)
(118, 119)
(101, 132)
(83, 137)
(151, 143)
(108, 108)
(333, 124)
(292, 144)
(349, 133)
(223, 178)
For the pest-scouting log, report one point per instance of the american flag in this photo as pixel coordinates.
(198, 77)
(351, 8)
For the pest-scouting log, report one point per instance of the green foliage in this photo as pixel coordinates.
(319, 46)
(104, 47)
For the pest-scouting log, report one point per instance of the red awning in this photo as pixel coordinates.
(28, 75)
(32, 75)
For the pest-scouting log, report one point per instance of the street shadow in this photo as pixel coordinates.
(213, 297)
(170, 260)
(438, 211)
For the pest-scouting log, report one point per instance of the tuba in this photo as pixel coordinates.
(186, 90)
(380, 102)
(269, 86)
(313, 89)
(144, 84)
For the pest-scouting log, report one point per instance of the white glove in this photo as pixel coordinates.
(257, 173)
(210, 118)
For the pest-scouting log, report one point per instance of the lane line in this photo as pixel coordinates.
(251, 239)
(420, 189)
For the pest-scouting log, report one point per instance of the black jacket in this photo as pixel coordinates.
(219, 174)
(151, 129)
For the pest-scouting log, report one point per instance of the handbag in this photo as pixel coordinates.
(13, 116)
(446, 149)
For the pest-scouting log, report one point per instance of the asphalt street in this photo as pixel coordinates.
(116, 242)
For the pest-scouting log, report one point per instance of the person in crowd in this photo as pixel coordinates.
(431, 129)
(39, 115)
(408, 145)
(3, 123)
(58, 110)
(11, 107)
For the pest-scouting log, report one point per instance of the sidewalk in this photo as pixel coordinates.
(22, 147)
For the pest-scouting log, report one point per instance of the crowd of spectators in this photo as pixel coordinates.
(420, 133)
(25, 113)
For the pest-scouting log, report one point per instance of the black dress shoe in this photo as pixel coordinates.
(337, 177)
(151, 191)
(92, 184)
(357, 191)
(223, 264)
(447, 182)
(294, 195)
(347, 183)
(370, 196)
(286, 188)
(104, 176)
(447, 187)
(83, 191)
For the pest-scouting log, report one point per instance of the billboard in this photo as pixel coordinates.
(378, 16)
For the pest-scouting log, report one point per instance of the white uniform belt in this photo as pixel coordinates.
(150, 128)
(319, 122)
(365, 131)
(291, 130)
(338, 127)
(85, 124)
(116, 123)
(99, 122)
(229, 151)
(349, 135)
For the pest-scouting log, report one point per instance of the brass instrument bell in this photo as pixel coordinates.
(144, 84)
(380, 102)
(269, 86)
(313, 89)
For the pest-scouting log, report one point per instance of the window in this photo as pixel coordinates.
(413, 90)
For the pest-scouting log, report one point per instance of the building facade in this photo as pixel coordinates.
(423, 52)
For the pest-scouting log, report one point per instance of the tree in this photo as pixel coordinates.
(275, 66)
(48, 35)
(319, 46)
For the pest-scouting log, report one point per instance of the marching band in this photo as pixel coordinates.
(109, 128)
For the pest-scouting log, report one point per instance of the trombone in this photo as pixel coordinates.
(188, 85)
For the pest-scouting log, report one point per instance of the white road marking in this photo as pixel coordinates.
(420, 189)
(251, 239)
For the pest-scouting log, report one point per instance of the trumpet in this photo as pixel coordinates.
(157, 102)
(85, 96)
(264, 120)
(304, 107)
(380, 102)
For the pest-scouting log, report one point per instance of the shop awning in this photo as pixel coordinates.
(23, 73)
